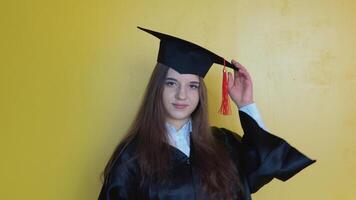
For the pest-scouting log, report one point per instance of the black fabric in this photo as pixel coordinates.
(259, 156)
(184, 56)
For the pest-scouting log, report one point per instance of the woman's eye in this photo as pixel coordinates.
(194, 86)
(170, 83)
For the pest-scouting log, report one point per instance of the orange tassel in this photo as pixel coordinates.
(225, 108)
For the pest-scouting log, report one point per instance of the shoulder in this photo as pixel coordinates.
(122, 172)
(126, 156)
(128, 149)
(225, 134)
(231, 140)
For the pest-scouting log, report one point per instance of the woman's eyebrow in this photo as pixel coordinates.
(172, 79)
(195, 82)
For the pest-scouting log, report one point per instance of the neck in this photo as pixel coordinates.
(177, 124)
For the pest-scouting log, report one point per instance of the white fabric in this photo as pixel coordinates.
(180, 138)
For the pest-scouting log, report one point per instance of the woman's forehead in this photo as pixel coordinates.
(182, 77)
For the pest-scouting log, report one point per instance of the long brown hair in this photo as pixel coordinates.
(216, 169)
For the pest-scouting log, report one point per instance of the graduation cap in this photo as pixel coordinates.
(188, 58)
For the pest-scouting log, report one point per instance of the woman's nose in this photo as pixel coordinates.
(181, 93)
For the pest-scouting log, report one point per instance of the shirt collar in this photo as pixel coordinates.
(185, 130)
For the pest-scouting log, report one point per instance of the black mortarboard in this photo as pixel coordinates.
(186, 57)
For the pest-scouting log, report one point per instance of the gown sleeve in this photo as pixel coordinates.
(264, 156)
(122, 182)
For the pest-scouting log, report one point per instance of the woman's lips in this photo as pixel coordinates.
(180, 106)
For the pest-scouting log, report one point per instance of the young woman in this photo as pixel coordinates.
(170, 152)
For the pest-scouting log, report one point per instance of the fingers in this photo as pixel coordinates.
(236, 77)
(230, 80)
(242, 70)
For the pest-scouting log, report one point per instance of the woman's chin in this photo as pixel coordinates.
(179, 115)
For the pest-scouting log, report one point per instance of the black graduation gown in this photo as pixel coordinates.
(259, 156)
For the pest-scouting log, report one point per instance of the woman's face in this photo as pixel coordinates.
(180, 96)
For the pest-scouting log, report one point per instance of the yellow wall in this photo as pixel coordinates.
(72, 74)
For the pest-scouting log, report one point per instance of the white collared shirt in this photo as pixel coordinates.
(180, 139)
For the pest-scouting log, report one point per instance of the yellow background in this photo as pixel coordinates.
(73, 74)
